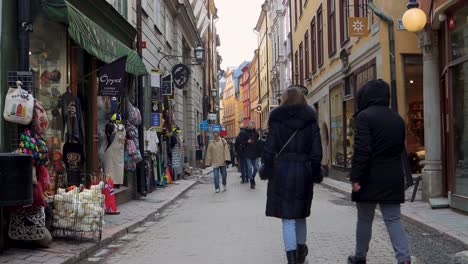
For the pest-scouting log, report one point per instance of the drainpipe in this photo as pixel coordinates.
(24, 27)
(391, 44)
(141, 166)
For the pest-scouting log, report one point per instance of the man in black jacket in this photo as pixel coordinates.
(377, 175)
(248, 145)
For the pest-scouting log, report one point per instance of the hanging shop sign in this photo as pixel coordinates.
(212, 116)
(156, 120)
(180, 75)
(357, 26)
(112, 78)
(166, 85)
(204, 126)
(155, 79)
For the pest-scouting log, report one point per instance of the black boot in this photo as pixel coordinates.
(302, 252)
(356, 260)
(252, 184)
(292, 257)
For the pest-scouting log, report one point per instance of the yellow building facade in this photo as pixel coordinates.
(333, 65)
(253, 68)
(230, 105)
(264, 65)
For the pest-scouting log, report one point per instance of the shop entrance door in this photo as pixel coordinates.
(414, 105)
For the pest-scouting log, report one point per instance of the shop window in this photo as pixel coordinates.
(460, 128)
(336, 123)
(459, 35)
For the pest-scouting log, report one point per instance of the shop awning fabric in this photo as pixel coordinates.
(91, 37)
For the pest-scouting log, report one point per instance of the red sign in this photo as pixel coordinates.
(223, 133)
(451, 23)
(143, 44)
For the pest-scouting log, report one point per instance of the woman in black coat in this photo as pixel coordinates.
(377, 174)
(290, 174)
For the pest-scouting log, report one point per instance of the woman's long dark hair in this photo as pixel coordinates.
(293, 96)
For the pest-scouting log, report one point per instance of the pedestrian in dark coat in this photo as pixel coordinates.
(377, 169)
(290, 185)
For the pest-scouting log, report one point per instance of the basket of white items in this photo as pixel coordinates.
(79, 213)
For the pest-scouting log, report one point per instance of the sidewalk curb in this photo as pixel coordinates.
(406, 216)
(89, 251)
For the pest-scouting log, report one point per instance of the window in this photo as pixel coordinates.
(296, 67)
(314, 45)
(320, 36)
(344, 15)
(121, 6)
(295, 12)
(169, 32)
(144, 6)
(301, 64)
(158, 15)
(331, 28)
(306, 54)
(360, 8)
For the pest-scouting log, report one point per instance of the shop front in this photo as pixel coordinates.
(83, 81)
(454, 64)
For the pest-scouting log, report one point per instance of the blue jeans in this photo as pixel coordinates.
(294, 233)
(391, 214)
(244, 168)
(216, 172)
(252, 168)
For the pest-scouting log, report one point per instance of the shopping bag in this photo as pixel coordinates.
(19, 106)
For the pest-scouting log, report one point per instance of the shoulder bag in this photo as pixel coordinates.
(261, 170)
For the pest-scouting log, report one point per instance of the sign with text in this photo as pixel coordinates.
(212, 116)
(358, 26)
(166, 85)
(204, 126)
(112, 78)
(156, 119)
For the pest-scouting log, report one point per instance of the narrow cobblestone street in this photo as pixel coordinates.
(204, 227)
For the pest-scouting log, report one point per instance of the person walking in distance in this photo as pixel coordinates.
(291, 161)
(240, 149)
(377, 174)
(249, 140)
(216, 156)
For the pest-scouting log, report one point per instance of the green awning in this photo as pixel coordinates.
(90, 36)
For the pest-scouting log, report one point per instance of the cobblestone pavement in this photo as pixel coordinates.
(208, 228)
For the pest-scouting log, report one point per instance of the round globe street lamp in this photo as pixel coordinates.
(199, 54)
(414, 19)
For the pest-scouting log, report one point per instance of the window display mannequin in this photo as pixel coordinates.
(114, 154)
(72, 123)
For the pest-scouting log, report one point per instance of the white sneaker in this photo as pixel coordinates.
(224, 188)
(217, 190)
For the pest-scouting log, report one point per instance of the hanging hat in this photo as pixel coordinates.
(117, 118)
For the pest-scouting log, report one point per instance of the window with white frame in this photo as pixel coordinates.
(169, 28)
(158, 12)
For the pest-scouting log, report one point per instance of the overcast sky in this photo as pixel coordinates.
(237, 19)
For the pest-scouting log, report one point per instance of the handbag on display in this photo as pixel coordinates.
(40, 120)
(19, 105)
(27, 224)
(134, 115)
